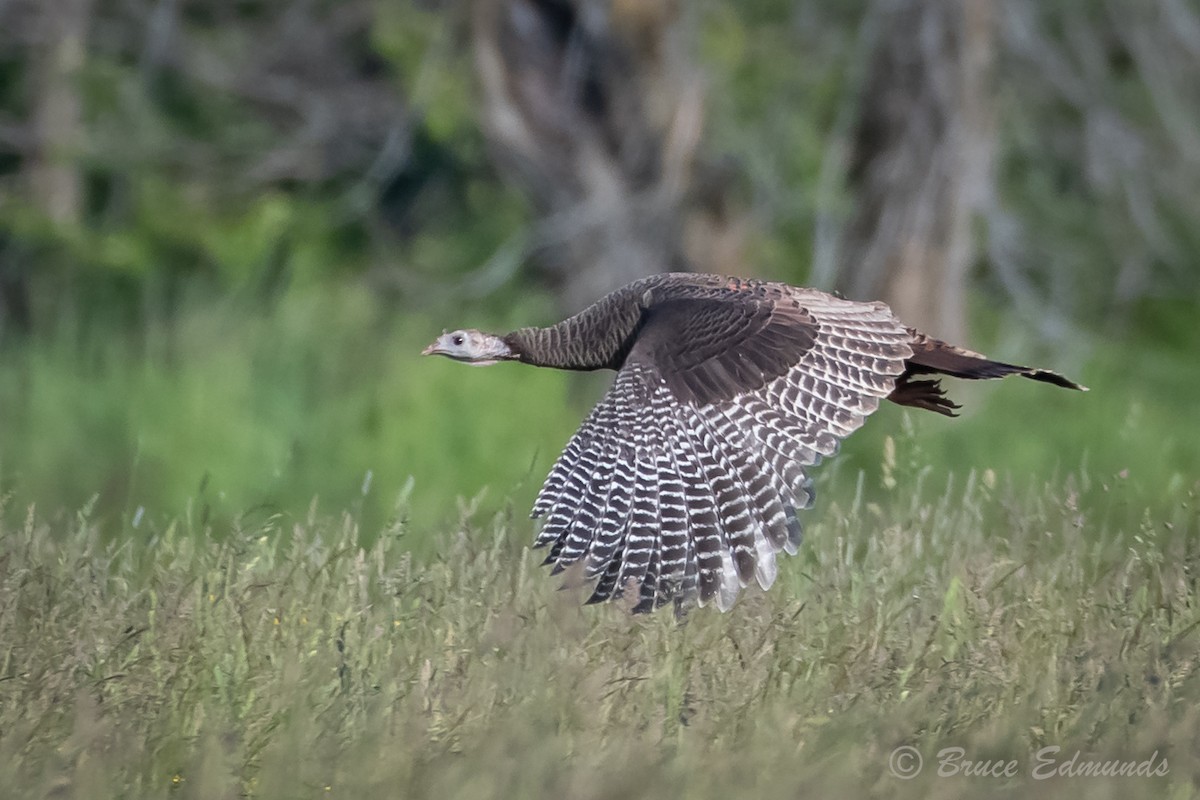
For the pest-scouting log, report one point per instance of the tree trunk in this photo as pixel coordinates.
(50, 165)
(920, 165)
(589, 106)
(57, 114)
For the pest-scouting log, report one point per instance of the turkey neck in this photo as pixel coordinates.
(599, 337)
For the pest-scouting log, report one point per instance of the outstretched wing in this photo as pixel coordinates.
(684, 480)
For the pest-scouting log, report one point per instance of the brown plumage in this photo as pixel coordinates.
(683, 482)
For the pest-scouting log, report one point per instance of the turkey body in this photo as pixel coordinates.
(684, 481)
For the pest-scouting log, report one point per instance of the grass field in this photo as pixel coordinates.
(278, 659)
(210, 589)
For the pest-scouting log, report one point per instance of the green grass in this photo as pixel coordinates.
(279, 659)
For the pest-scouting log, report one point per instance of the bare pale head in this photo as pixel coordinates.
(471, 347)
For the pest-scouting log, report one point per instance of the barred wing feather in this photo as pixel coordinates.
(684, 481)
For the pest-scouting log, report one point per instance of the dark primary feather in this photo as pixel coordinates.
(684, 482)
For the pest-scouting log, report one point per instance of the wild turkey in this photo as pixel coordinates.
(683, 482)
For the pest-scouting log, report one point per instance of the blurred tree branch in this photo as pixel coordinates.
(144, 142)
(1109, 105)
(592, 107)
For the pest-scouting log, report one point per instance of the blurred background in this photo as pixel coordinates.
(227, 228)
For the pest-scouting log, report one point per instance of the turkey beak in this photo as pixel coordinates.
(436, 348)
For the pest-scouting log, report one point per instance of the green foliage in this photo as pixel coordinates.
(234, 406)
(779, 75)
(234, 409)
(280, 659)
(210, 336)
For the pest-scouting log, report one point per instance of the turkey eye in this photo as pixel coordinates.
(457, 340)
